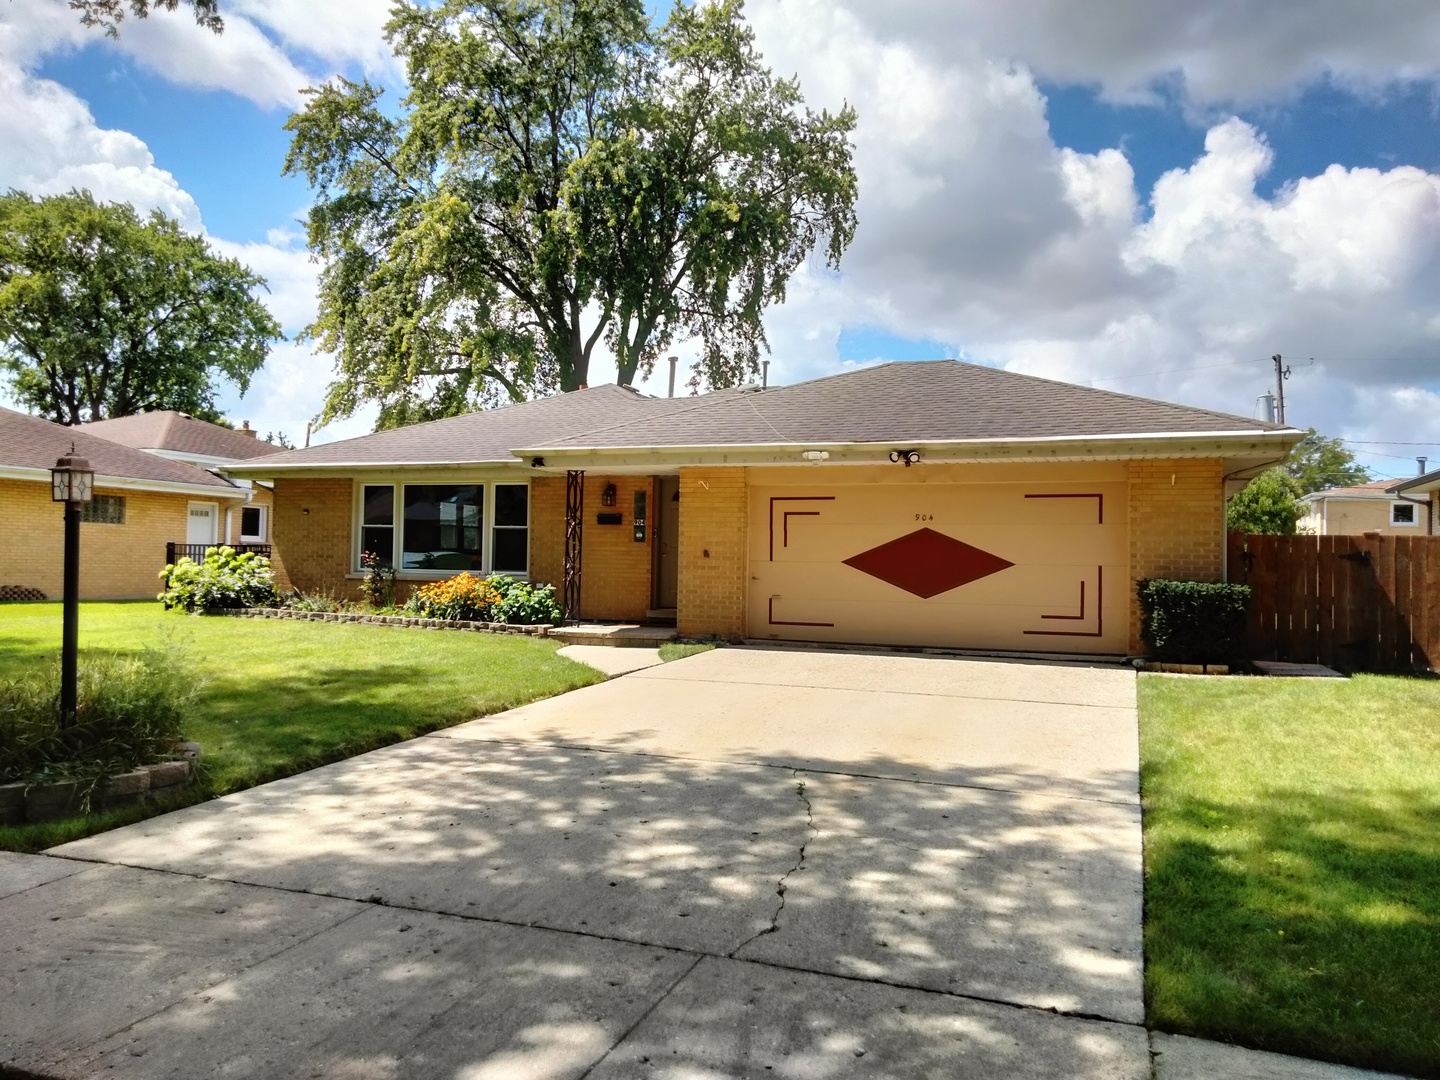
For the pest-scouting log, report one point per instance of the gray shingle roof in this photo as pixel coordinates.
(168, 430)
(898, 403)
(28, 442)
(910, 401)
(489, 435)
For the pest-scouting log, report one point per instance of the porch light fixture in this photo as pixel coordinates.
(72, 482)
(816, 455)
(907, 457)
(607, 496)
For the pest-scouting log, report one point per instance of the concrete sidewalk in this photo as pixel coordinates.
(744, 863)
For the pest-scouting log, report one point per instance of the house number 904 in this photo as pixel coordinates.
(924, 517)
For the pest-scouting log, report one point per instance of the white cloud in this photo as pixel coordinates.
(977, 230)
(1219, 53)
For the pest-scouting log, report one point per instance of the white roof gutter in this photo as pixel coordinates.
(130, 483)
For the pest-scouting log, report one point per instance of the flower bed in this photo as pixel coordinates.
(534, 629)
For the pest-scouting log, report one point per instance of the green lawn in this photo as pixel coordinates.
(279, 697)
(1292, 862)
(675, 650)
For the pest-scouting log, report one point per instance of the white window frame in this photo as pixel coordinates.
(253, 538)
(1414, 521)
(397, 483)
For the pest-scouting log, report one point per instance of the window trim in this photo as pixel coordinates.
(1414, 521)
(397, 482)
(253, 538)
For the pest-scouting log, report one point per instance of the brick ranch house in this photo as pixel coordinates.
(142, 502)
(931, 503)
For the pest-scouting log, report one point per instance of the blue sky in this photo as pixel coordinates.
(1018, 249)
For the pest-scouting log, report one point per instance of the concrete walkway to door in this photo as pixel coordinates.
(746, 863)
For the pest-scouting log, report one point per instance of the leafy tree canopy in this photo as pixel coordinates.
(1318, 462)
(108, 14)
(103, 314)
(561, 173)
(1269, 505)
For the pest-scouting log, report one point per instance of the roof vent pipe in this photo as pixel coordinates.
(673, 361)
(1422, 461)
(764, 374)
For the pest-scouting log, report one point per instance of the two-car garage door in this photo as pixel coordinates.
(1029, 566)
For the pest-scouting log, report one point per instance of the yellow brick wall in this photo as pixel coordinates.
(712, 572)
(117, 562)
(1177, 527)
(547, 532)
(615, 570)
(310, 534)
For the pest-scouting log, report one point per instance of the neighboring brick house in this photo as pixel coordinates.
(142, 501)
(181, 437)
(1393, 507)
(930, 504)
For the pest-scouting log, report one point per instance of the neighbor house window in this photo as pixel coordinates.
(252, 524)
(377, 522)
(104, 510)
(443, 527)
(510, 546)
(1402, 513)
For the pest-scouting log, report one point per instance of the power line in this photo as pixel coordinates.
(1386, 442)
(1181, 371)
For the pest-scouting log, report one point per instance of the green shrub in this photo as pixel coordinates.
(223, 580)
(129, 712)
(524, 603)
(497, 598)
(299, 600)
(1193, 622)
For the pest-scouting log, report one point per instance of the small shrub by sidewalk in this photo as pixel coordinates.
(130, 710)
(1193, 622)
(221, 581)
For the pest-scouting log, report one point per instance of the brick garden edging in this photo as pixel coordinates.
(532, 629)
(21, 802)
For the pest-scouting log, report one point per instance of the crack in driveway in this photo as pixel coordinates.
(781, 886)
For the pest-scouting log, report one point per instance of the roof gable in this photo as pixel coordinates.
(29, 442)
(165, 429)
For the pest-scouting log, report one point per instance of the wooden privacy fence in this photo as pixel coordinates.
(1356, 603)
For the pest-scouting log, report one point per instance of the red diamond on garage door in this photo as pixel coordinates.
(927, 563)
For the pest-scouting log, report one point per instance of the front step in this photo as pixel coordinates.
(623, 635)
(665, 616)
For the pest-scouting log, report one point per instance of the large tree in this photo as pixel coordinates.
(561, 173)
(103, 314)
(108, 14)
(1318, 462)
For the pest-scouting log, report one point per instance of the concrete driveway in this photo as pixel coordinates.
(748, 863)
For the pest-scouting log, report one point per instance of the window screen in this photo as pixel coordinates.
(377, 522)
(511, 544)
(251, 525)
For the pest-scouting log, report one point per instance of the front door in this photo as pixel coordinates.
(200, 527)
(667, 541)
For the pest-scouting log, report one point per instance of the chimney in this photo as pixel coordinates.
(673, 361)
(764, 374)
(1422, 461)
(246, 429)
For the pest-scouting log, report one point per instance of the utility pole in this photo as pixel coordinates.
(1282, 372)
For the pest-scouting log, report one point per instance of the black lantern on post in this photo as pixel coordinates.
(73, 483)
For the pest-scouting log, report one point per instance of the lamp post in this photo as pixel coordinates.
(73, 483)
